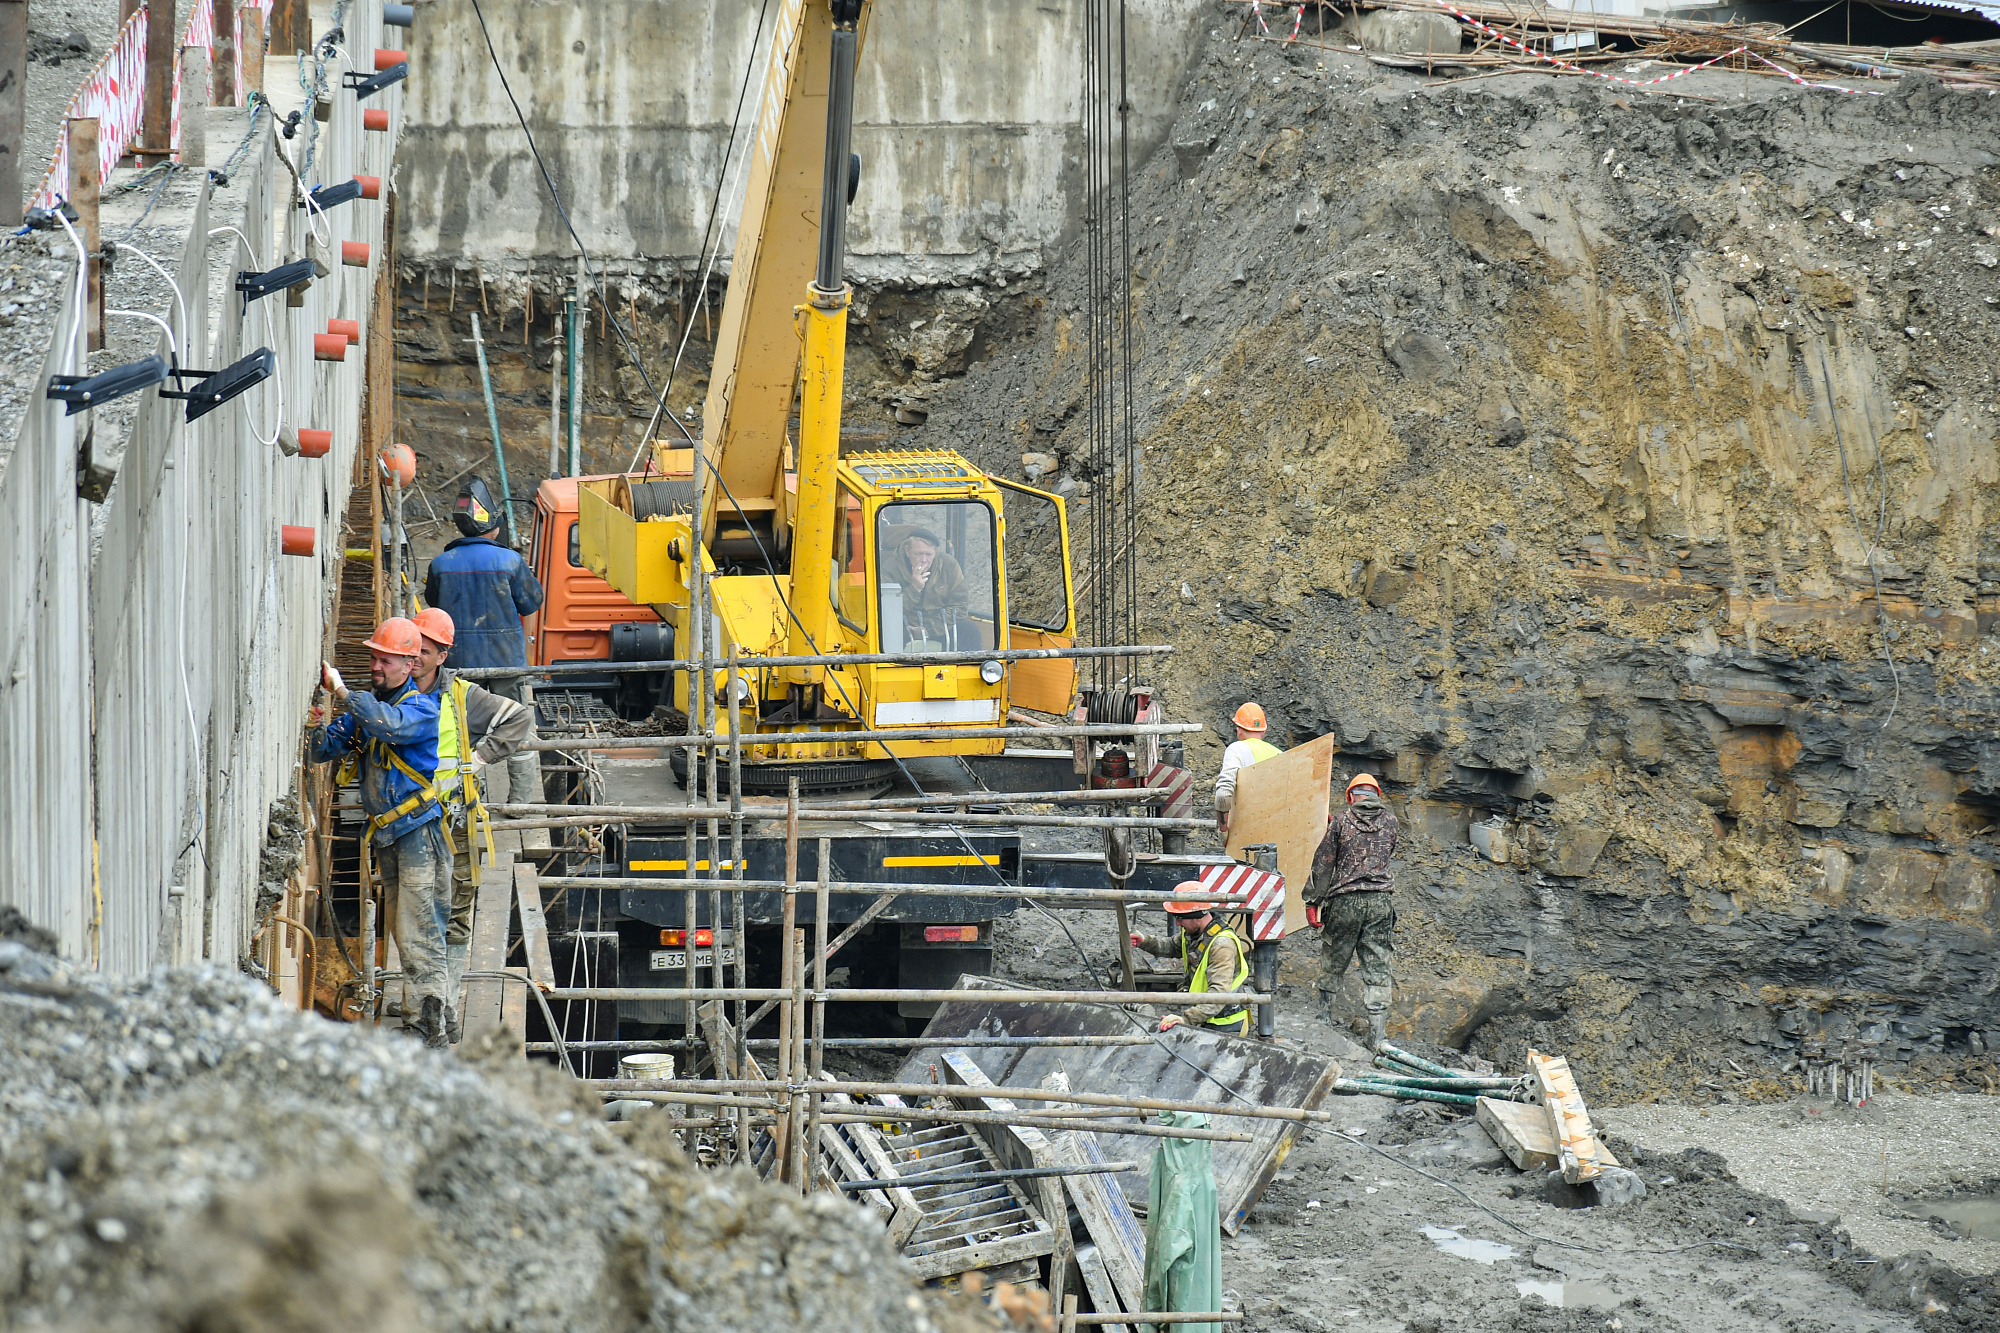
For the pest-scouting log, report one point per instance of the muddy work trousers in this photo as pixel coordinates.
(416, 901)
(1357, 924)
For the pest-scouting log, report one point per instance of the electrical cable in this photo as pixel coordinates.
(173, 347)
(82, 269)
(159, 268)
(277, 363)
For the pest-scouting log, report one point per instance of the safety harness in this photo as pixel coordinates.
(382, 756)
(459, 760)
(1196, 963)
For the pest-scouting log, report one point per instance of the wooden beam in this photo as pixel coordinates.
(222, 52)
(162, 38)
(291, 27)
(534, 926)
(483, 998)
(13, 106)
(85, 185)
(252, 53)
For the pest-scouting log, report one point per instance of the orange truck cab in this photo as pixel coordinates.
(585, 619)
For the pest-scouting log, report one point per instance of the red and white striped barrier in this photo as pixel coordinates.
(115, 94)
(1179, 783)
(1241, 888)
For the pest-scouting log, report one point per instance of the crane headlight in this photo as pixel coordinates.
(991, 671)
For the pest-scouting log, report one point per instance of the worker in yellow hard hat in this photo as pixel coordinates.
(1351, 899)
(1248, 748)
(1216, 961)
(476, 729)
(388, 738)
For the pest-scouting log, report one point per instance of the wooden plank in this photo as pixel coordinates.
(514, 1010)
(1520, 1131)
(1284, 801)
(223, 52)
(534, 926)
(488, 952)
(875, 1154)
(1121, 1241)
(163, 32)
(13, 106)
(1578, 1152)
(1097, 1282)
(85, 184)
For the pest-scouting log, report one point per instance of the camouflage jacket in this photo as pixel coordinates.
(1354, 855)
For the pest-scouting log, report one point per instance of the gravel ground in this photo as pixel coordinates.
(181, 1152)
(1835, 1162)
(57, 68)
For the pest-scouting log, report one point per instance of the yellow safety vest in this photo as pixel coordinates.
(1198, 979)
(1262, 750)
(451, 726)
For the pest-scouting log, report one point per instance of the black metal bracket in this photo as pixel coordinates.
(368, 86)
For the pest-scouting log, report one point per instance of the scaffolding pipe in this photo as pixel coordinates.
(633, 1044)
(597, 667)
(882, 996)
(1047, 895)
(928, 1179)
(765, 740)
(1112, 1100)
(643, 814)
(851, 1114)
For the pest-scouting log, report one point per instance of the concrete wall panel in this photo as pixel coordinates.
(966, 122)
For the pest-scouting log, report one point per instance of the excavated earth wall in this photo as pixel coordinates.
(1546, 442)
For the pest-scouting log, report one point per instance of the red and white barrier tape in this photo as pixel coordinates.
(114, 94)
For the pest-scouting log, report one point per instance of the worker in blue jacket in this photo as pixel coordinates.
(486, 588)
(390, 736)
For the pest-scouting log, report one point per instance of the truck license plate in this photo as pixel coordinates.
(676, 960)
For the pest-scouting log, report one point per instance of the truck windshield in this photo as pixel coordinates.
(937, 588)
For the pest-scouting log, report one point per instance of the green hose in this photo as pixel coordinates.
(1404, 1093)
(1464, 1083)
(1419, 1063)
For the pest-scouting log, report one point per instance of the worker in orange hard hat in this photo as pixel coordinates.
(1215, 959)
(1350, 898)
(1249, 748)
(476, 729)
(388, 738)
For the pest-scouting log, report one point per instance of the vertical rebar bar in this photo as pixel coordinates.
(787, 981)
(821, 908)
(736, 872)
(576, 327)
(802, 1155)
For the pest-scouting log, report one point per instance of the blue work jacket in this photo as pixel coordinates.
(407, 722)
(485, 589)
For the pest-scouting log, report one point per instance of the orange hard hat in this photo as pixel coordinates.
(396, 637)
(399, 463)
(1250, 717)
(1188, 906)
(1363, 780)
(434, 624)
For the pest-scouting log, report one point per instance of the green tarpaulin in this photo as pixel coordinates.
(1183, 1229)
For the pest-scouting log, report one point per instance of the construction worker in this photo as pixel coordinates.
(390, 734)
(1216, 960)
(476, 729)
(1349, 897)
(1248, 748)
(486, 588)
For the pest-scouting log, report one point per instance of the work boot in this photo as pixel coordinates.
(431, 1022)
(453, 1030)
(1378, 1028)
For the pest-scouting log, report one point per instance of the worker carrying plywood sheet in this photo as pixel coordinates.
(1351, 900)
(1248, 748)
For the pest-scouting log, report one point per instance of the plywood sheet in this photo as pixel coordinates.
(1284, 801)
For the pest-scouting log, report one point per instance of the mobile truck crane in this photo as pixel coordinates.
(924, 595)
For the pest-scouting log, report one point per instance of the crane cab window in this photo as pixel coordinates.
(938, 587)
(849, 589)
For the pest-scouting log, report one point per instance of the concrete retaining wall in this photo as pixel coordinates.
(966, 123)
(153, 680)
